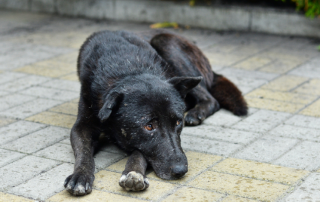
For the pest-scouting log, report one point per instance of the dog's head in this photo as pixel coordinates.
(146, 113)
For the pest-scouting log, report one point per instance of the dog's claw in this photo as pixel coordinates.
(79, 185)
(134, 181)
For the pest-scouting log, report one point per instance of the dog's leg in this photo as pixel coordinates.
(133, 177)
(84, 137)
(205, 106)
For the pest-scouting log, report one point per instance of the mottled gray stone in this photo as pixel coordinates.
(7, 157)
(304, 156)
(296, 132)
(23, 83)
(304, 121)
(18, 129)
(51, 93)
(46, 184)
(309, 191)
(63, 85)
(208, 146)
(40, 139)
(22, 170)
(266, 149)
(13, 100)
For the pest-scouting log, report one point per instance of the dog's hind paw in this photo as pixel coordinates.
(134, 181)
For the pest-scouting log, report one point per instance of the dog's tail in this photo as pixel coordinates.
(228, 95)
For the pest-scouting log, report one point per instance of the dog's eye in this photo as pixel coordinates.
(178, 123)
(149, 127)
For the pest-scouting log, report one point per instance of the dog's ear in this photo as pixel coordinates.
(109, 103)
(184, 84)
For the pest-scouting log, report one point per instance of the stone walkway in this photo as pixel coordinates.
(270, 155)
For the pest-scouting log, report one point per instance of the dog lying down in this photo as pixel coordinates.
(140, 90)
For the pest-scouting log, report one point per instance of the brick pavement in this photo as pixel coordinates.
(270, 155)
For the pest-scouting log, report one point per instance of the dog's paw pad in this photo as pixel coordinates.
(134, 181)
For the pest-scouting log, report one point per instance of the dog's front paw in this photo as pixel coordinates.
(79, 184)
(134, 181)
(194, 117)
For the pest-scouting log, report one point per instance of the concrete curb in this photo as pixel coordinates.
(150, 11)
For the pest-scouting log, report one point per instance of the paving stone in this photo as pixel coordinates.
(71, 77)
(112, 148)
(281, 65)
(220, 133)
(95, 196)
(266, 148)
(5, 121)
(312, 110)
(285, 83)
(309, 69)
(23, 83)
(63, 85)
(43, 6)
(260, 171)
(108, 181)
(17, 130)
(283, 96)
(221, 59)
(40, 139)
(2, 93)
(118, 166)
(246, 73)
(22, 170)
(197, 163)
(311, 87)
(66, 108)
(56, 119)
(236, 198)
(221, 118)
(10, 76)
(261, 121)
(13, 100)
(30, 108)
(273, 105)
(308, 191)
(296, 132)
(253, 63)
(44, 185)
(241, 186)
(304, 121)
(208, 146)
(188, 194)
(51, 93)
(13, 198)
(304, 156)
(7, 157)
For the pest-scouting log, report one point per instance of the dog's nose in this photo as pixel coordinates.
(179, 170)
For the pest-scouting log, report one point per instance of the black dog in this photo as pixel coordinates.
(139, 90)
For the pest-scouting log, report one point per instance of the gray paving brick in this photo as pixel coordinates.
(13, 100)
(266, 149)
(66, 141)
(59, 151)
(63, 85)
(22, 170)
(309, 191)
(208, 146)
(51, 93)
(304, 121)
(30, 108)
(303, 156)
(296, 132)
(64, 152)
(14, 4)
(40, 139)
(46, 184)
(7, 157)
(220, 133)
(18, 129)
(222, 118)
(112, 148)
(10, 76)
(261, 121)
(23, 83)
(2, 93)
(310, 69)
(240, 73)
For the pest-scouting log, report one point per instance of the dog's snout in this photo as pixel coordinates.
(179, 170)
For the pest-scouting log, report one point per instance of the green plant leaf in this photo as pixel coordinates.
(318, 48)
